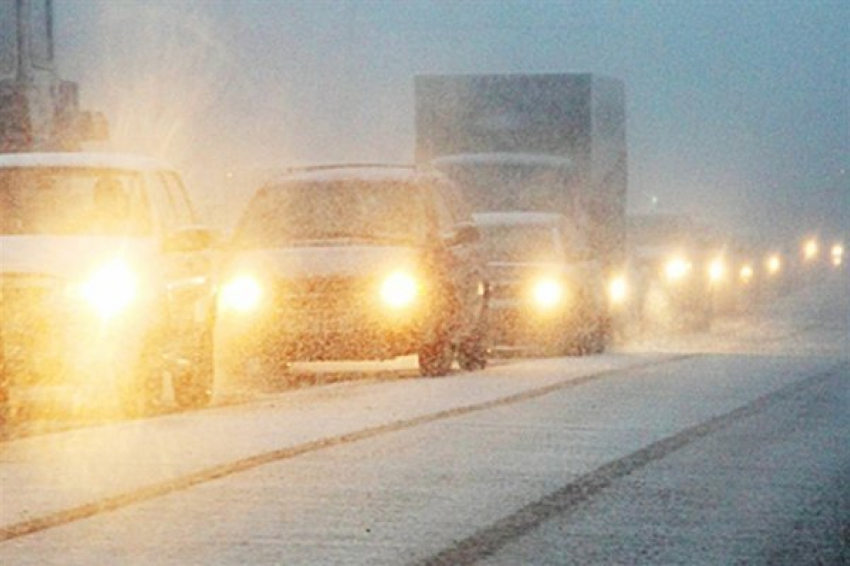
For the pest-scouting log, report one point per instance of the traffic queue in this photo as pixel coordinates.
(110, 282)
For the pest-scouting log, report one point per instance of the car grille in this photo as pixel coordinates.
(324, 295)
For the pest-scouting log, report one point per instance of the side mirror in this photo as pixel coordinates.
(191, 239)
(465, 234)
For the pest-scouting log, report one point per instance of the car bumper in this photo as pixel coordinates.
(65, 347)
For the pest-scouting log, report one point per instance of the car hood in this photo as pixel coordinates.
(69, 257)
(331, 261)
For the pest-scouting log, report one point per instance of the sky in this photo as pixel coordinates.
(738, 112)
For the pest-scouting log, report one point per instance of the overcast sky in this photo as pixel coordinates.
(738, 111)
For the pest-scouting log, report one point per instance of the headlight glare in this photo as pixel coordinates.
(110, 289)
(774, 264)
(677, 269)
(241, 294)
(399, 290)
(548, 293)
(618, 290)
(717, 270)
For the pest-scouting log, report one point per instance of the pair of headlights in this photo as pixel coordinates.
(244, 293)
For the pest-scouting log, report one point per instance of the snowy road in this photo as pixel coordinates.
(726, 447)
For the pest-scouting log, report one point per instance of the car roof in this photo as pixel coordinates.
(82, 160)
(516, 218)
(368, 172)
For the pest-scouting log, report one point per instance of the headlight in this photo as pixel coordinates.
(676, 269)
(746, 273)
(618, 290)
(241, 294)
(547, 293)
(774, 264)
(717, 270)
(399, 290)
(810, 249)
(110, 289)
(837, 254)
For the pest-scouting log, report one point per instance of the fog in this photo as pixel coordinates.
(738, 112)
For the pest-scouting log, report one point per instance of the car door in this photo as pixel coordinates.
(187, 259)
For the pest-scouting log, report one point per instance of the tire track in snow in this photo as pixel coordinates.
(489, 540)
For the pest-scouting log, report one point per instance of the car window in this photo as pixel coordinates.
(312, 212)
(72, 201)
(520, 243)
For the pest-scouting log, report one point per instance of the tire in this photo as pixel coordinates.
(140, 390)
(193, 388)
(435, 359)
(472, 354)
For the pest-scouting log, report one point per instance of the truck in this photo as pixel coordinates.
(38, 110)
(537, 143)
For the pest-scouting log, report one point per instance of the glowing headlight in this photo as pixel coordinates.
(837, 251)
(774, 264)
(547, 293)
(399, 290)
(717, 270)
(110, 289)
(676, 269)
(241, 294)
(810, 249)
(746, 273)
(617, 290)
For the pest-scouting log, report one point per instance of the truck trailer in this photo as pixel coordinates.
(536, 143)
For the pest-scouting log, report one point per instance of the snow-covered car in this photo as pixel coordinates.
(355, 262)
(106, 279)
(547, 293)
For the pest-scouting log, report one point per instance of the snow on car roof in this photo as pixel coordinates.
(527, 159)
(357, 172)
(81, 159)
(515, 218)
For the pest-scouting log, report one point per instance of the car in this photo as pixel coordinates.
(355, 262)
(547, 294)
(677, 268)
(107, 280)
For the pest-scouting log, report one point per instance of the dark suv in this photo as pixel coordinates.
(106, 280)
(356, 262)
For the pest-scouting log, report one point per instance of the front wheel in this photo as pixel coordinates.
(472, 354)
(435, 359)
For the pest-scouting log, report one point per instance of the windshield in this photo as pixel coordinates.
(510, 186)
(72, 202)
(520, 243)
(318, 212)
